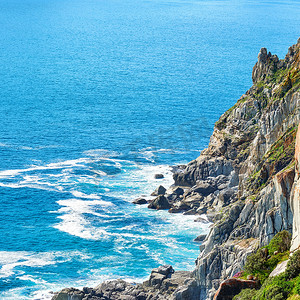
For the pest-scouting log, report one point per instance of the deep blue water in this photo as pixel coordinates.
(96, 97)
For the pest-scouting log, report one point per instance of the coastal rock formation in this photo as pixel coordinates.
(164, 284)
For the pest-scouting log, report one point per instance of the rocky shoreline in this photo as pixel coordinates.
(246, 182)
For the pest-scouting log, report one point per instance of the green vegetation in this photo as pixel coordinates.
(274, 288)
(281, 242)
(263, 261)
(293, 266)
(246, 294)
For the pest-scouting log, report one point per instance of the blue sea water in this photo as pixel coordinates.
(96, 97)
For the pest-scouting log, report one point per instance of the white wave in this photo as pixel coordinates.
(85, 196)
(32, 279)
(51, 166)
(103, 153)
(9, 260)
(74, 221)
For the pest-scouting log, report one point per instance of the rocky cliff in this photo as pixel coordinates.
(247, 182)
(251, 152)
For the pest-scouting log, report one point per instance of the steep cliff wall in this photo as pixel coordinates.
(295, 197)
(251, 155)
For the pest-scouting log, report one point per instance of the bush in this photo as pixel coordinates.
(275, 288)
(296, 289)
(293, 266)
(246, 294)
(281, 242)
(256, 262)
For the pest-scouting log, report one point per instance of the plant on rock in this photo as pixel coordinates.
(281, 242)
(293, 266)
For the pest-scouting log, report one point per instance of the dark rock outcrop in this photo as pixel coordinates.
(159, 176)
(160, 190)
(140, 201)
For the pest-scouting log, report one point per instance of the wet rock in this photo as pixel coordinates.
(160, 202)
(190, 212)
(201, 219)
(200, 238)
(140, 201)
(160, 190)
(159, 176)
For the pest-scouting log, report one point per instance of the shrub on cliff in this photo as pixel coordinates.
(281, 242)
(246, 294)
(293, 266)
(296, 289)
(256, 262)
(275, 288)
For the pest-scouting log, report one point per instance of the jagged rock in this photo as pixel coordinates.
(160, 202)
(160, 190)
(140, 201)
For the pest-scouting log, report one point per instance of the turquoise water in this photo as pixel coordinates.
(98, 96)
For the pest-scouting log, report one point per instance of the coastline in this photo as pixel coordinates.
(242, 182)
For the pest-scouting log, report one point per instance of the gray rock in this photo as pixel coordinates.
(281, 267)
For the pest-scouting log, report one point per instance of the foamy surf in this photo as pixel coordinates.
(91, 207)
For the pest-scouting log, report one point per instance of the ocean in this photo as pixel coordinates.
(98, 96)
